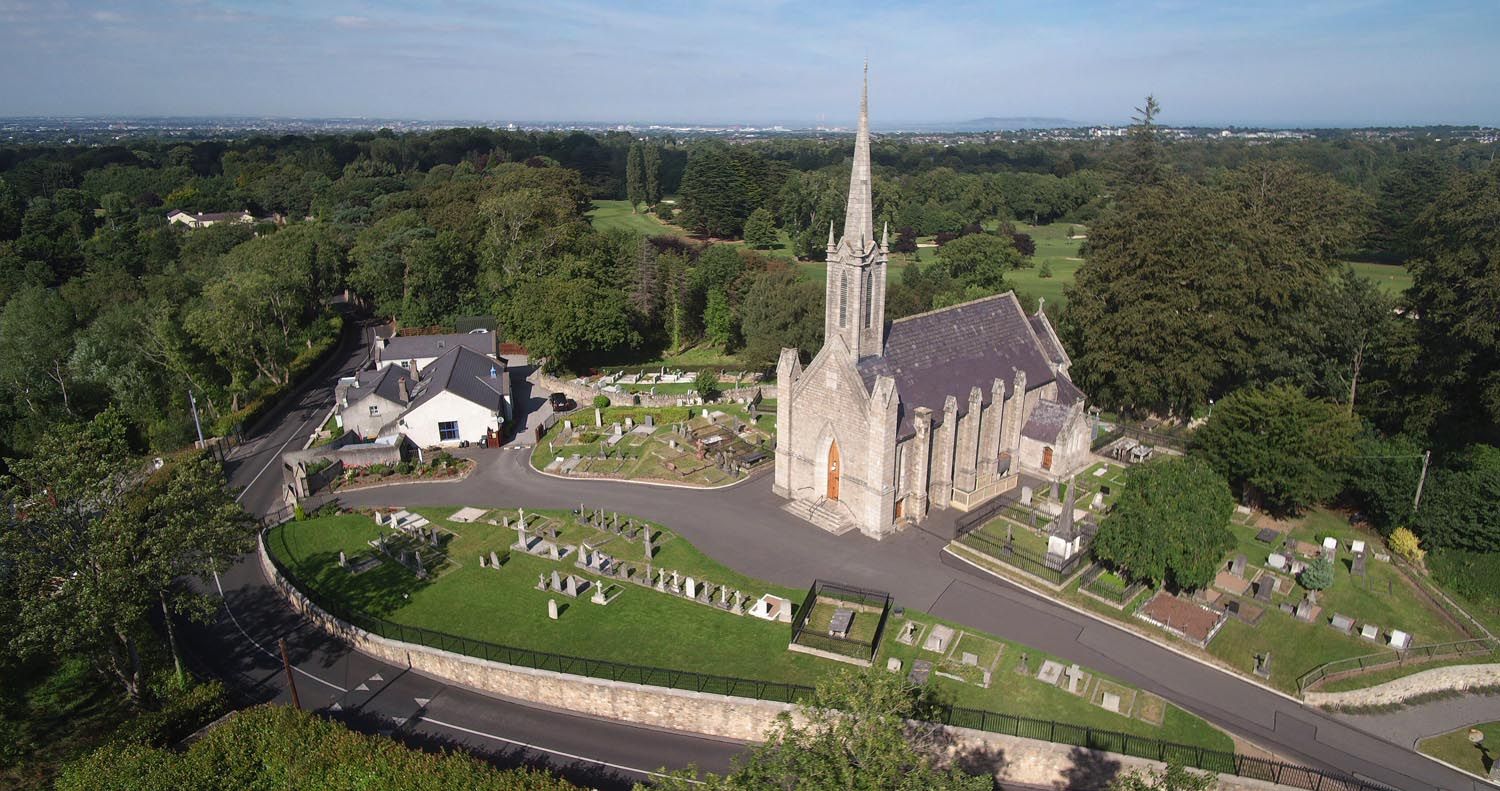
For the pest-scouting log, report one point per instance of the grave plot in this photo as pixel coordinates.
(972, 659)
(706, 447)
(1113, 697)
(841, 621)
(1150, 708)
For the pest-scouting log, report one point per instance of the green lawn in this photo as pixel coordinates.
(1393, 279)
(615, 215)
(646, 627)
(1456, 749)
(638, 457)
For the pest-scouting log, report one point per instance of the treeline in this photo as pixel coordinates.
(1225, 297)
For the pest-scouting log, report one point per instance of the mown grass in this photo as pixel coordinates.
(1455, 748)
(643, 626)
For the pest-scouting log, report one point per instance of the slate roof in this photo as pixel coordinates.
(466, 374)
(1051, 344)
(421, 347)
(384, 382)
(1046, 421)
(950, 351)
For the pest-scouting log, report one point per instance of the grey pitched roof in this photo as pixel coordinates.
(950, 351)
(409, 347)
(1051, 344)
(1046, 421)
(384, 382)
(466, 374)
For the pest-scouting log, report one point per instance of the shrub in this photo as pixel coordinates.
(379, 469)
(706, 384)
(664, 212)
(444, 459)
(179, 711)
(1317, 575)
(299, 514)
(601, 401)
(1045, 270)
(405, 467)
(1406, 544)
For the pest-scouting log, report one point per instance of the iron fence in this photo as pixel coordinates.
(845, 646)
(978, 719)
(1052, 568)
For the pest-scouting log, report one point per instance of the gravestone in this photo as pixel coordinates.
(541, 582)
(1111, 702)
(1237, 566)
(552, 551)
(1400, 640)
(556, 580)
(1025, 495)
(1369, 631)
(1075, 674)
(893, 664)
(650, 421)
(552, 609)
(1358, 567)
(1276, 561)
(570, 586)
(1050, 672)
(483, 561)
(598, 418)
(972, 660)
(938, 639)
(1305, 610)
(704, 590)
(1357, 547)
(1097, 502)
(908, 633)
(1053, 492)
(724, 596)
(676, 583)
(585, 555)
(494, 560)
(1263, 665)
(1263, 588)
(661, 580)
(1342, 623)
(692, 586)
(920, 670)
(1330, 547)
(343, 561)
(739, 603)
(598, 597)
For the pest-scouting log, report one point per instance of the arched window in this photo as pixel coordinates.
(1047, 457)
(867, 290)
(843, 299)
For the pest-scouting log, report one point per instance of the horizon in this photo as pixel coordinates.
(1281, 65)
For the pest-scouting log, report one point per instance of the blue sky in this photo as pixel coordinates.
(1348, 62)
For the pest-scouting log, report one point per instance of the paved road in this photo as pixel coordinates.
(1415, 723)
(743, 526)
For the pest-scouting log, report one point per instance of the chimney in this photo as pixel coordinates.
(401, 389)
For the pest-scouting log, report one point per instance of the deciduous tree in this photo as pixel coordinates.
(1170, 524)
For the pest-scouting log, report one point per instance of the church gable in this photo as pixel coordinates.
(832, 377)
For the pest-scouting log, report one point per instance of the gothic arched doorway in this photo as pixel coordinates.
(833, 471)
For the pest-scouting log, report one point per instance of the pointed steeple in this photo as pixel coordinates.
(832, 245)
(885, 237)
(859, 215)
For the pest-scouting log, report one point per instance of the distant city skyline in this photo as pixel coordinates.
(1315, 63)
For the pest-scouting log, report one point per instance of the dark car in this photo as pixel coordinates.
(561, 403)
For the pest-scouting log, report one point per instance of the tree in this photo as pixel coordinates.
(1382, 475)
(1170, 524)
(718, 320)
(853, 735)
(1175, 777)
(1317, 574)
(1278, 446)
(906, 241)
(1458, 504)
(706, 384)
(716, 194)
(980, 259)
(95, 541)
(759, 232)
(601, 401)
(565, 318)
(651, 162)
(1415, 183)
(635, 177)
(780, 310)
(1455, 298)
(1406, 544)
(1025, 245)
(1145, 164)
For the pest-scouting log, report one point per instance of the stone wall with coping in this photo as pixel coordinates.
(1453, 678)
(1016, 760)
(584, 394)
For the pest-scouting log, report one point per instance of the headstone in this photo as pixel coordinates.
(661, 579)
(970, 659)
(1097, 502)
(1344, 623)
(598, 597)
(1050, 672)
(650, 420)
(938, 639)
(1276, 561)
(723, 595)
(1025, 495)
(1075, 674)
(552, 609)
(598, 418)
(1357, 568)
(1263, 588)
(483, 561)
(552, 551)
(920, 670)
(1369, 631)
(541, 582)
(585, 555)
(343, 561)
(705, 590)
(434, 539)
(1263, 665)
(676, 583)
(1111, 702)
(1330, 547)
(556, 580)
(568, 425)
(1053, 492)
(1400, 640)
(893, 664)
(1304, 610)
(570, 586)
(1357, 547)
(739, 602)
(908, 633)
(494, 560)
(1237, 566)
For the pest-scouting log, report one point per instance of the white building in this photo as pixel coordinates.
(371, 401)
(461, 396)
(203, 220)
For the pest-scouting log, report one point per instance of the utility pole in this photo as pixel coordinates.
(1416, 501)
(193, 402)
(291, 680)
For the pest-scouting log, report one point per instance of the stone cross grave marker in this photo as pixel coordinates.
(739, 602)
(1075, 674)
(541, 582)
(598, 597)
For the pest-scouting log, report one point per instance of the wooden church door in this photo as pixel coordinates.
(833, 471)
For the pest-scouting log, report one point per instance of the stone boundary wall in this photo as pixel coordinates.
(584, 395)
(1453, 678)
(1019, 760)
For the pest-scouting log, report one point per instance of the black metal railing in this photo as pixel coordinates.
(978, 719)
(1051, 568)
(844, 646)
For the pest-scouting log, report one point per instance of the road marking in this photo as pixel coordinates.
(260, 647)
(362, 688)
(376, 677)
(527, 746)
(422, 702)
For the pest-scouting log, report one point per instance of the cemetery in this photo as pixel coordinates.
(603, 596)
(1257, 616)
(700, 446)
(1045, 532)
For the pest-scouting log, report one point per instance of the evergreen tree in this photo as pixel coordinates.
(716, 196)
(759, 232)
(652, 165)
(635, 177)
(718, 320)
(1145, 162)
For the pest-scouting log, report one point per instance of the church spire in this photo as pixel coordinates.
(859, 215)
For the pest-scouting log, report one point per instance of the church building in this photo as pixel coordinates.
(943, 409)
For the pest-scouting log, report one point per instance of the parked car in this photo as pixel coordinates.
(561, 403)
